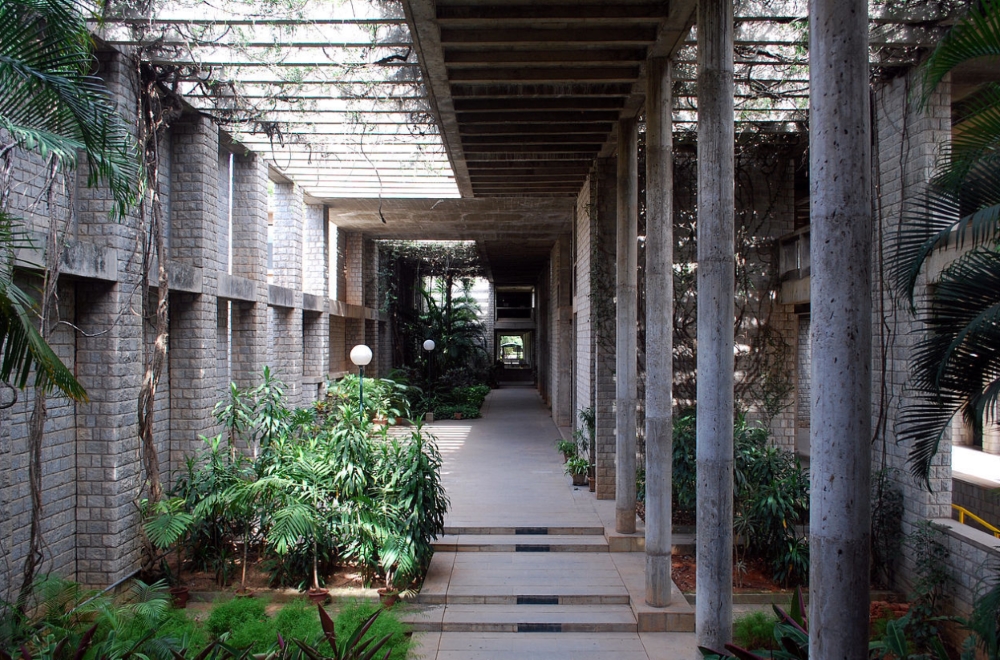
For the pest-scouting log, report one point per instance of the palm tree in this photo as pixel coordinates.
(955, 366)
(51, 107)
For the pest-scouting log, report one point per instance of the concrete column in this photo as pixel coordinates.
(840, 433)
(627, 325)
(603, 312)
(659, 329)
(714, 611)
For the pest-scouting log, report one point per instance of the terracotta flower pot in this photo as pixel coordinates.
(388, 597)
(318, 596)
(458, 415)
(180, 597)
(579, 479)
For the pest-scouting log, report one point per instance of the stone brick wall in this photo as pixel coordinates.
(908, 141)
(338, 345)
(602, 286)
(584, 393)
(222, 327)
(315, 257)
(198, 228)
(560, 324)
(765, 212)
(972, 561)
(250, 262)
(289, 214)
(978, 496)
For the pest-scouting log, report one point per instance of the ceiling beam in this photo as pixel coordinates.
(420, 15)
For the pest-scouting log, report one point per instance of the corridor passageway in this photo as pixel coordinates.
(530, 566)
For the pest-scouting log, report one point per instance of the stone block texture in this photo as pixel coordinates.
(908, 140)
(602, 290)
(214, 208)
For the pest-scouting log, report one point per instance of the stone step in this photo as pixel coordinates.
(554, 646)
(525, 531)
(522, 618)
(521, 543)
(503, 577)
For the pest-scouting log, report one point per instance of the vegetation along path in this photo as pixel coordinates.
(530, 566)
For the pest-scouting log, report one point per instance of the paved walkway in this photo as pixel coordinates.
(530, 566)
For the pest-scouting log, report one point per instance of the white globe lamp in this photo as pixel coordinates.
(361, 355)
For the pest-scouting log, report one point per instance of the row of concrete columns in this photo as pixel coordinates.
(841, 330)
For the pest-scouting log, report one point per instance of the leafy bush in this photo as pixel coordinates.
(770, 498)
(384, 398)
(567, 447)
(754, 630)
(235, 614)
(355, 613)
(685, 473)
(325, 485)
(297, 620)
(791, 637)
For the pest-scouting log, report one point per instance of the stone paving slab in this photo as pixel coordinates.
(521, 543)
(676, 617)
(525, 531)
(523, 618)
(506, 482)
(555, 646)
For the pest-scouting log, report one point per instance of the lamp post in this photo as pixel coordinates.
(428, 347)
(361, 355)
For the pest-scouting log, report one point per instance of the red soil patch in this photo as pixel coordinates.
(755, 579)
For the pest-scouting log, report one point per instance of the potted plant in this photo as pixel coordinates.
(568, 449)
(398, 562)
(169, 527)
(576, 467)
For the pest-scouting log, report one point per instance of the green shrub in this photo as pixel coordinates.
(235, 614)
(178, 626)
(257, 636)
(771, 495)
(354, 615)
(298, 620)
(755, 630)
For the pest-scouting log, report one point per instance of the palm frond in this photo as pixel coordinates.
(955, 366)
(936, 221)
(978, 35)
(24, 349)
(49, 103)
(290, 524)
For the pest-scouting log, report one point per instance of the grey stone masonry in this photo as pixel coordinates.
(226, 321)
(315, 349)
(286, 322)
(908, 141)
(602, 286)
(978, 496)
(249, 319)
(196, 225)
(584, 394)
(109, 366)
(354, 287)
(561, 319)
(288, 227)
(314, 253)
